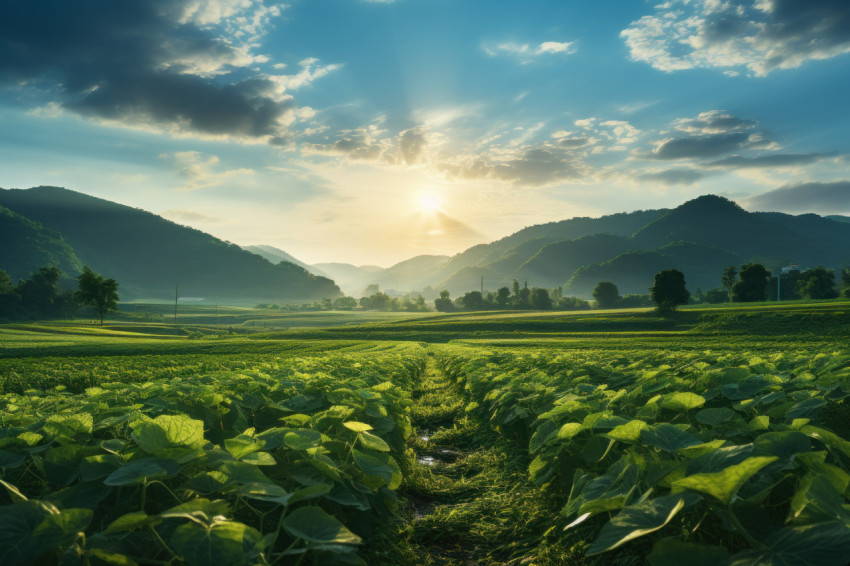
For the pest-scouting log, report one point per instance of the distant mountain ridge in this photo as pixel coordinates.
(149, 255)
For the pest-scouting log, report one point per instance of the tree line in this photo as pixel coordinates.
(46, 295)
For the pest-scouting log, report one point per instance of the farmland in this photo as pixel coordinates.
(717, 436)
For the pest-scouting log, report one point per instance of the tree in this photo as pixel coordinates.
(606, 295)
(728, 277)
(752, 284)
(668, 291)
(845, 282)
(345, 303)
(540, 299)
(503, 296)
(817, 283)
(40, 293)
(97, 292)
(444, 303)
(473, 301)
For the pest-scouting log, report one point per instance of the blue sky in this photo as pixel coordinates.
(369, 132)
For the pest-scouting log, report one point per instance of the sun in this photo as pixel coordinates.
(429, 203)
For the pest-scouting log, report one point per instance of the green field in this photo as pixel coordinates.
(714, 436)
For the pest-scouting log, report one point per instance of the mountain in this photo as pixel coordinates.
(634, 271)
(28, 245)
(149, 255)
(838, 218)
(555, 263)
(413, 274)
(277, 255)
(352, 279)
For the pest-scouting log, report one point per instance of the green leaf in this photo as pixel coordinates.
(723, 485)
(674, 552)
(357, 426)
(831, 439)
(373, 442)
(132, 521)
(629, 432)
(14, 493)
(221, 544)
(103, 556)
(242, 445)
(783, 445)
(716, 416)
(11, 460)
(303, 439)
(569, 430)
(636, 521)
(313, 524)
(822, 544)
(18, 522)
(199, 510)
(140, 471)
(310, 492)
(242, 473)
(682, 401)
(168, 431)
(259, 459)
(668, 437)
(374, 465)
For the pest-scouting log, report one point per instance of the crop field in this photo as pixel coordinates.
(713, 437)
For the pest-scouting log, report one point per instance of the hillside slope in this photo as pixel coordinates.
(28, 245)
(149, 255)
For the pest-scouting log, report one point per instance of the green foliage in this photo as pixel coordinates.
(606, 295)
(668, 291)
(752, 284)
(292, 461)
(97, 292)
(817, 283)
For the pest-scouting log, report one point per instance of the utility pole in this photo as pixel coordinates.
(176, 287)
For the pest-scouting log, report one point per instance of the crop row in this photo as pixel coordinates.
(702, 457)
(290, 461)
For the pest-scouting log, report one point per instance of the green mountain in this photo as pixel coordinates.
(412, 274)
(634, 271)
(149, 255)
(555, 263)
(277, 255)
(28, 245)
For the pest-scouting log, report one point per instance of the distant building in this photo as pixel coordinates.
(790, 268)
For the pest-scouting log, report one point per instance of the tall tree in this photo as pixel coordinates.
(817, 283)
(97, 292)
(444, 303)
(728, 278)
(40, 293)
(845, 282)
(606, 295)
(752, 284)
(668, 291)
(473, 301)
(540, 299)
(503, 297)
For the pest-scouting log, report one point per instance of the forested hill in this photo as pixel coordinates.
(149, 255)
(699, 237)
(28, 245)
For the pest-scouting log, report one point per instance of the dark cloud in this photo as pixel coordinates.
(777, 160)
(827, 198)
(759, 35)
(700, 147)
(166, 63)
(674, 176)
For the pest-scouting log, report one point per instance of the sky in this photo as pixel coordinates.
(371, 131)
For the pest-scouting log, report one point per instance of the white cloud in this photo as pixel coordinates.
(757, 35)
(526, 53)
(200, 170)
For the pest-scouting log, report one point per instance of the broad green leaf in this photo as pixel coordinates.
(168, 431)
(242, 473)
(373, 442)
(700, 449)
(719, 459)
(108, 558)
(11, 460)
(259, 459)
(831, 439)
(569, 430)
(716, 416)
(761, 422)
(265, 492)
(242, 445)
(357, 426)
(815, 461)
(805, 409)
(18, 522)
(310, 492)
(819, 499)
(723, 485)
(668, 437)
(62, 527)
(674, 552)
(682, 401)
(221, 544)
(629, 432)
(374, 465)
(636, 521)
(199, 510)
(132, 521)
(68, 425)
(303, 439)
(14, 493)
(783, 445)
(313, 524)
(140, 471)
(822, 544)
